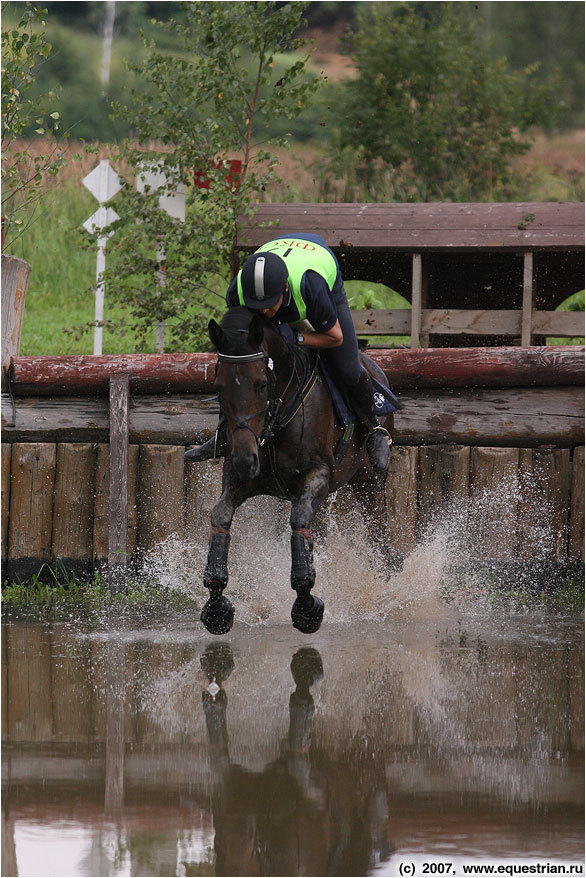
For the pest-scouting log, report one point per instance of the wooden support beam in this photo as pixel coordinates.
(576, 541)
(118, 506)
(31, 506)
(528, 296)
(416, 299)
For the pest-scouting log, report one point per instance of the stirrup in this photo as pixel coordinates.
(384, 431)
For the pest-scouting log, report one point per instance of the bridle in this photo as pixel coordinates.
(241, 422)
(274, 420)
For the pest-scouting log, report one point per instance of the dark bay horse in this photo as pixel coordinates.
(282, 433)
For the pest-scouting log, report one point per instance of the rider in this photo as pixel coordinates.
(295, 278)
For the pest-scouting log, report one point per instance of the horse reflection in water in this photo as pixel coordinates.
(300, 816)
(283, 440)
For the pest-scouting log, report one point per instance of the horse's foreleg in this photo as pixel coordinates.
(307, 612)
(218, 613)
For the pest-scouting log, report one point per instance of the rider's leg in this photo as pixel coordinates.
(214, 447)
(345, 360)
(377, 445)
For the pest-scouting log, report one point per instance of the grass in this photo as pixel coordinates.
(53, 594)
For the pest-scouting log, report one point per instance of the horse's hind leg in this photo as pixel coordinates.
(218, 612)
(307, 611)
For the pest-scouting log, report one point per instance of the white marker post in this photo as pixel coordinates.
(173, 204)
(103, 182)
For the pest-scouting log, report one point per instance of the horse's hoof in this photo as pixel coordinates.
(307, 620)
(218, 615)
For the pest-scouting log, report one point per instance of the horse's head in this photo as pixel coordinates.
(243, 382)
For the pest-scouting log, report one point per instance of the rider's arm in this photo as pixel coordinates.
(321, 313)
(332, 338)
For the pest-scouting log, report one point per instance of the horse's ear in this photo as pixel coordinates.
(256, 331)
(216, 333)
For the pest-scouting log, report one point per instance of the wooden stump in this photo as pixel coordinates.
(443, 483)
(493, 502)
(73, 515)
(401, 496)
(6, 455)
(542, 520)
(102, 506)
(31, 507)
(15, 275)
(576, 541)
(160, 494)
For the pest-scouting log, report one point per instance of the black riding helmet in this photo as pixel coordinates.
(264, 277)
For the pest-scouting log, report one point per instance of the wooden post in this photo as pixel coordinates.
(401, 496)
(443, 483)
(102, 507)
(15, 275)
(528, 291)
(576, 542)
(6, 453)
(118, 512)
(31, 506)
(543, 505)
(416, 299)
(493, 502)
(160, 494)
(73, 506)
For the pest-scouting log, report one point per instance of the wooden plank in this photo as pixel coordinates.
(118, 499)
(508, 416)
(391, 321)
(416, 299)
(493, 503)
(31, 500)
(160, 494)
(174, 419)
(542, 525)
(102, 506)
(5, 486)
(423, 226)
(576, 541)
(528, 299)
(443, 485)
(459, 321)
(15, 277)
(74, 502)
(513, 366)
(566, 324)
(401, 498)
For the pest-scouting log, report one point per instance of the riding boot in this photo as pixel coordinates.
(214, 447)
(378, 439)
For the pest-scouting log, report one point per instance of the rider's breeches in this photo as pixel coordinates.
(344, 360)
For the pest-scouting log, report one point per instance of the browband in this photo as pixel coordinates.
(242, 358)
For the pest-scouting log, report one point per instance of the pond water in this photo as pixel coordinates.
(159, 750)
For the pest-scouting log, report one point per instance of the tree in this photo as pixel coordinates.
(432, 109)
(24, 169)
(206, 104)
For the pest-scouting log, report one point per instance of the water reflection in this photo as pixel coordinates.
(149, 753)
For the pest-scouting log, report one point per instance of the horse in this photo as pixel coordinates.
(282, 435)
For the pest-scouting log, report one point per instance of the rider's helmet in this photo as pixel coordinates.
(264, 277)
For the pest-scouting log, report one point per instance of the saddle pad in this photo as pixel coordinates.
(384, 399)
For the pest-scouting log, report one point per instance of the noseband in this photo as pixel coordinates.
(241, 422)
